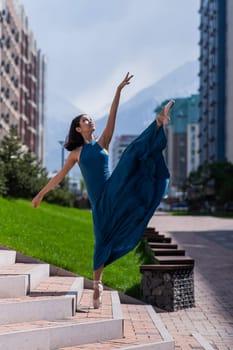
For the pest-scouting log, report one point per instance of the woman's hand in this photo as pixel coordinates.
(36, 200)
(106, 136)
(126, 81)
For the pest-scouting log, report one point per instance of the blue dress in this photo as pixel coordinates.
(123, 203)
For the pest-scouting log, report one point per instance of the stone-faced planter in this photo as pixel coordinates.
(169, 287)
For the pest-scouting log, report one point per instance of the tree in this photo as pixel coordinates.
(211, 183)
(23, 175)
(2, 180)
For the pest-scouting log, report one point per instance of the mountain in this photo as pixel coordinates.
(59, 114)
(135, 114)
(132, 117)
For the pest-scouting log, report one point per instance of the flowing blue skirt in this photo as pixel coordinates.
(130, 196)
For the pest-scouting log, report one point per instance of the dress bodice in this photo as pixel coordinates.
(94, 166)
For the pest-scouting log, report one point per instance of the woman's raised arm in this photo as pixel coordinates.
(70, 162)
(106, 136)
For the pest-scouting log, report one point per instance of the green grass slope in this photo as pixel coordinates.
(63, 237)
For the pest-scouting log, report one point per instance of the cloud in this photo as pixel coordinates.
(90, 45)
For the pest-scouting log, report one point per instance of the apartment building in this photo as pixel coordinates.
(119, 145)
(22, 79)
(216, 80)
(182, 148)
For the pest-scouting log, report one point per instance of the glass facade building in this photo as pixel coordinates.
(216, 87)
(182, 140)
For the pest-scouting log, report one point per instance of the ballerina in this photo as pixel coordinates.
(122, 202)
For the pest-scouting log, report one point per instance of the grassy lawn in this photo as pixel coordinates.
(63, 237)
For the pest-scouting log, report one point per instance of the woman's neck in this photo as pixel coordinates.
(88, 139)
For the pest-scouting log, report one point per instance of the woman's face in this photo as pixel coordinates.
(86, 124)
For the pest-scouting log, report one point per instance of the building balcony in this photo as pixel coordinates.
(213, 103)
(213, 49)
(212, 139)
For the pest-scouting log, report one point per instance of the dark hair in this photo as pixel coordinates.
(74, 138)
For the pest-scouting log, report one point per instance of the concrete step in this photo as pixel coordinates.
(151, 235)
(88, 324)
(35, 272)
(13, 286)
(166, 267)
(60, 285)
(159, 238)
(29, 309)
(163, 260)
(163, 245)
(143, 330)
(7, 257)
(150, 230)
(48, 301)
(168, 252)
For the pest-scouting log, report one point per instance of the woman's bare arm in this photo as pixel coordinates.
(70, 162)
(106, 136)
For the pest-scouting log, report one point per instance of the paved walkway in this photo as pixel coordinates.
(209, 241)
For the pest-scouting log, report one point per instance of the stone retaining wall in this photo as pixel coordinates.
(170, 289)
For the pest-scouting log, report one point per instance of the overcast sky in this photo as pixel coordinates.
(91, 44)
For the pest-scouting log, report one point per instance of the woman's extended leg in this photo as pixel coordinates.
(98, 287)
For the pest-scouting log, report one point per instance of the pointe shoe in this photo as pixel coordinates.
(169, 106)
(97, 295)
(163, 117)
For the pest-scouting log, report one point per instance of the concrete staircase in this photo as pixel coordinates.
(168, 284)
(43, 311)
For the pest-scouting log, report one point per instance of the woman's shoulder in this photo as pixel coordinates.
(75, 153)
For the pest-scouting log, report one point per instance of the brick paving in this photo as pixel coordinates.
(138, 328)
(16, 268)
(138, 325)
(86, 314)
(54, 285)
(210, 242)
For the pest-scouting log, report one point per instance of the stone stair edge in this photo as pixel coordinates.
(8, 258)
(13, 286)
(166, 342)
(55, 336)
(26, 259)
(64, 332)
(59, 271)
(50, 309)
(88, 284)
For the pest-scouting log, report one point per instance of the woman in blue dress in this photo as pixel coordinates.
(122, 202)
